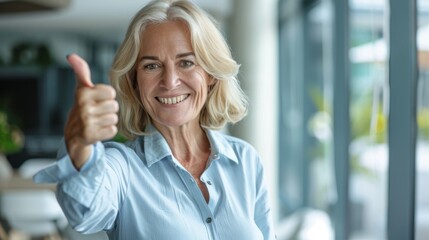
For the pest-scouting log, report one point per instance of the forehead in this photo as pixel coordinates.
(165, 36)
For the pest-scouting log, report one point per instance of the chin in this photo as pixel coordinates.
(175, 122)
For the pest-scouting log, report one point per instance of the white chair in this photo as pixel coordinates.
(5, 168)
(306, 224)
(33, 212)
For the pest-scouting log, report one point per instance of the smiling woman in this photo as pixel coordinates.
(174, 84)
(210, 52)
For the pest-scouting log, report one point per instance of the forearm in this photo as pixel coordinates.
(90, 208)
(90, 197)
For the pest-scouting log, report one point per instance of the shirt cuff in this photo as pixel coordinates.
(64, 168)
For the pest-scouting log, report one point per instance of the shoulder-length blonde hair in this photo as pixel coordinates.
(226, 101)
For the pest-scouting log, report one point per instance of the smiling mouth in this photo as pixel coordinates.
(173, 100)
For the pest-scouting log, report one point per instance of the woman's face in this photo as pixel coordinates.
(173, 87)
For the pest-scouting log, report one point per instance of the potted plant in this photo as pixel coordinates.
(11, 140)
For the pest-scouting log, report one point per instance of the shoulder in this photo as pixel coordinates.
(119, 149)
(238, 142)
(234, 147)
(111, 145)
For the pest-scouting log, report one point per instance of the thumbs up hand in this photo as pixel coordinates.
(93, 116)
(81, 69)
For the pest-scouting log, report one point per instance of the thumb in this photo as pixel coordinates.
(81, 69)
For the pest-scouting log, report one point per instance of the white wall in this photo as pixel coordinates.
(253, 38)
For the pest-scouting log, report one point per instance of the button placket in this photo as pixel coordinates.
(205, 180)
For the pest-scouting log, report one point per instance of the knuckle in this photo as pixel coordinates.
(115, 106)
(112, 92)
(115, 118)
(113, 130)
(107, 90)
(108, 132)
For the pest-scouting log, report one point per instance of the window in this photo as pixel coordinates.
(348, 152)
(422, 163)
(369, 108)
(306, 177)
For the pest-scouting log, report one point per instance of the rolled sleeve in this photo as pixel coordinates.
(64, 168)
(81, 194)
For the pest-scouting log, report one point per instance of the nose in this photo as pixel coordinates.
(170, 78)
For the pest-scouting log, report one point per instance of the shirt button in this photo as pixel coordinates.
(215, 156)
(209, 183)
(209, 220)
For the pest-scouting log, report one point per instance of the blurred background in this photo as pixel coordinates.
(339, 108)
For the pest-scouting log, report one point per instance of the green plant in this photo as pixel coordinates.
(11, 137)
(119, 138)
(423, 122)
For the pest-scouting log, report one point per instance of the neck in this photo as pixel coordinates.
(188, 143)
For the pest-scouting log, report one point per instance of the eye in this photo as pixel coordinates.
(151, 66)
(186, 64)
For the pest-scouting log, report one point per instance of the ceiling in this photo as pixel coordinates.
(106, 18)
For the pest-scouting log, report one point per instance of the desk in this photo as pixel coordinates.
(18, 183)
(29, 208)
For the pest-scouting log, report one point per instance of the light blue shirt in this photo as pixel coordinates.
(139, 190)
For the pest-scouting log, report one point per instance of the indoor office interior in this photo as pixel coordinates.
(339, 108)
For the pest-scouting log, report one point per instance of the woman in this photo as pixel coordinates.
(177, 178)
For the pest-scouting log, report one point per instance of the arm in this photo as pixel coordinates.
(86, 173)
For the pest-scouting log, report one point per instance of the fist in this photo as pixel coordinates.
(93, 116)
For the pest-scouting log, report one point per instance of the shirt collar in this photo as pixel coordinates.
(221, 146)
(156, 147)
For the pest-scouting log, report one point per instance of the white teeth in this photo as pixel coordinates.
(172, 100)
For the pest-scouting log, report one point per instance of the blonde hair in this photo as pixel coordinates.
(225, 103)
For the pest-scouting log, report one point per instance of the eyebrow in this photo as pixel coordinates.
(180, 55)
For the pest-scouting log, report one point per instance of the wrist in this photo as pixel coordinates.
(79, 153)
